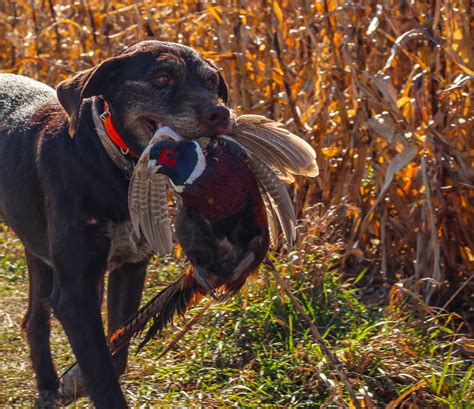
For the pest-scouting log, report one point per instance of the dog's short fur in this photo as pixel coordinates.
(67, 200)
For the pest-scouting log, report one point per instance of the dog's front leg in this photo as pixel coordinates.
(124, 292)
(125, 285)
(80, 255)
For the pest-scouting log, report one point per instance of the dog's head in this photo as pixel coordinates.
(153, 84)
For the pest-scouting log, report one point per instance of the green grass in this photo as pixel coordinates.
(255, 350)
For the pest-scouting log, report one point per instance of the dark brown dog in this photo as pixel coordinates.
(63, 190)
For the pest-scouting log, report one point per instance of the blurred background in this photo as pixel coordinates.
(384, 264)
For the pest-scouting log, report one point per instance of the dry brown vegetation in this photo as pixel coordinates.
(382, 89)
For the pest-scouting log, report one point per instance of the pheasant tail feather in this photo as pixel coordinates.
(174, 299)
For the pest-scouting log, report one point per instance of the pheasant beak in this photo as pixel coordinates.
(152, 168)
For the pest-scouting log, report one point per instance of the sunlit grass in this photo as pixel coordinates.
(255, 350)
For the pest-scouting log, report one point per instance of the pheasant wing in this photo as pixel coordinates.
(137, 192)
(159, 211)
(271, 218)
(147, 200)
(284, 151)
(276, 199)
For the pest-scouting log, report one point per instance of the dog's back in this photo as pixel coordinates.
(20, 99)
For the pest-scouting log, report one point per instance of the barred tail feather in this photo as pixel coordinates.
(174, 299)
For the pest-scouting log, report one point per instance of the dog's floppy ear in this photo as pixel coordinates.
(222, 90)
(73, 91)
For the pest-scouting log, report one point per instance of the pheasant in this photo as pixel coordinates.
(222, 224)
(232, 202)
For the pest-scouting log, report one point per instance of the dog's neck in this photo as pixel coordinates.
(114, 152)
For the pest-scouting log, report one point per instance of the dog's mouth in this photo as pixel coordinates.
(149, 125)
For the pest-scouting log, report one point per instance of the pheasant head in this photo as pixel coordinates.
(182, 162)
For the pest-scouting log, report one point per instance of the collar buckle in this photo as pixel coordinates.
(124, 163)
(105, 115)
(112, 133)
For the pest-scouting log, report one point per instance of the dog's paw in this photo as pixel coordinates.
(49, 399)
(71, 386)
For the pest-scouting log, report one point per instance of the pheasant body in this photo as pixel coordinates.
(221, 226)
(226, 186)
(223, 218)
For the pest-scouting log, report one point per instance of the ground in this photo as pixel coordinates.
(255, 350)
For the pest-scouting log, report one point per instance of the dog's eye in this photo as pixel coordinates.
(162, 80)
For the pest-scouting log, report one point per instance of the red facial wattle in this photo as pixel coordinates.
(167, 158)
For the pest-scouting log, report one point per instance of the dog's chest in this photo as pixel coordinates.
(125, 247)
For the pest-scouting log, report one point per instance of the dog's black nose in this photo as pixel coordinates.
(216, 116)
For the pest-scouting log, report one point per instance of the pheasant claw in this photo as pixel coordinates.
(201, 278)
(243, 265)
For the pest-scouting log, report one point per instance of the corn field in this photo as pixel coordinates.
(382, 90)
